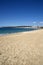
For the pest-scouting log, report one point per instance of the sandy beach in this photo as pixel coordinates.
(22, 48)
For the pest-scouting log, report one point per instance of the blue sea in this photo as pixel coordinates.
(8, 30)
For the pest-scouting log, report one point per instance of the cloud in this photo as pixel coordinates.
(41, 22)
(34, 22)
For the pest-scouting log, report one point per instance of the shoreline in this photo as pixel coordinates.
(5, 34)
(26, 29)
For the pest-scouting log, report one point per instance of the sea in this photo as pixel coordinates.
(9, 30)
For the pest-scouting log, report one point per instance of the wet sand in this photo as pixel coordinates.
(22, 48)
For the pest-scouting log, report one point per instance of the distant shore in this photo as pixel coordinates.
(22, 26)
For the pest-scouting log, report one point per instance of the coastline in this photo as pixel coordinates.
(5, 34)
(25, 48)
(11, 30)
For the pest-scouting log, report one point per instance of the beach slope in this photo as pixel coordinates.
(22, 48)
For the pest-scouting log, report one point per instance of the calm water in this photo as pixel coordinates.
(8, 30)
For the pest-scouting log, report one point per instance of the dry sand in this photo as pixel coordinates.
(22, 48)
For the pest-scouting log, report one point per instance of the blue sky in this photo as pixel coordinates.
(21, 12)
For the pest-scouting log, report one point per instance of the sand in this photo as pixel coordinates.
(22, 48)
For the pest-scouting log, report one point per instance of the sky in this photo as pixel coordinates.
(21, 12)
